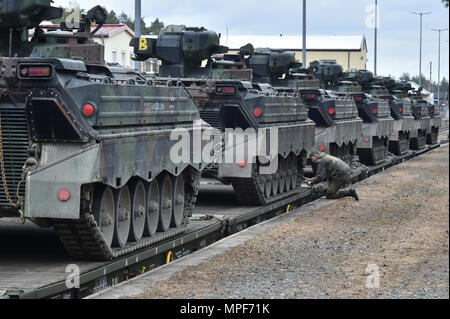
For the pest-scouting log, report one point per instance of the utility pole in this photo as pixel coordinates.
(431, 72)
(420, 59)
(304, 34)
(137, 28)
(439, 64)
(376, 38)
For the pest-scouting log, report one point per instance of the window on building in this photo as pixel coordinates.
(114, 56)
(124, 54)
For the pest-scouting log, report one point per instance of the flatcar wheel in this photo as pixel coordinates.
(104, 212)
(153, 206)
(268, 186)
(165, 216)
(282, 174)
(138, 212)
(123, 217)
(294, 170)
(178, 202)
(289, 177)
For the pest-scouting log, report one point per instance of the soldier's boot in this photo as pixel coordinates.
(349, 193)
(352, 193)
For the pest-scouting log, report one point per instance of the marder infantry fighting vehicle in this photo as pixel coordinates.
(420, 111)
(85, 147)
(378, 124)
(433, 112)
(230, 102)
(436, 121)
(338, 127)
(382, 88)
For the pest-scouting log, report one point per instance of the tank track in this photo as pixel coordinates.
(420, 142)
(83, 239)
(401, 146)
(433, 136)
(377, 154)
(250, 191)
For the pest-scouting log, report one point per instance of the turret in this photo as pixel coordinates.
(269, 66)
(74, 41)
(327, 72)
(181, 50)
(363, 77)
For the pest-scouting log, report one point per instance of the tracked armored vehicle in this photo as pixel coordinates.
(432, 112)
(378, 124)
(420, 111)
(241, 111)
(382, 88)
(338, 127)
(85, 147)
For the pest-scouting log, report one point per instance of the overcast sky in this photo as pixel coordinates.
(398, 36)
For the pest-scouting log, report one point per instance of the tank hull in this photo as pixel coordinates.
(266, 137)
(433, 135)
(400, 139)
(345, 134)
(374, 145)
(381, 129)
(419, 135)
(129, 137)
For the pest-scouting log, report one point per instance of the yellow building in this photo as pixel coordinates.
(349, 51)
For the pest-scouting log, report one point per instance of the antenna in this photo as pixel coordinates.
(304, 33)
(10, 42)
(137, 27)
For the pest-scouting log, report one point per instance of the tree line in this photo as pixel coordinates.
(430, 86)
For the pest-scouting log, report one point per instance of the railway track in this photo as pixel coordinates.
(44, 270)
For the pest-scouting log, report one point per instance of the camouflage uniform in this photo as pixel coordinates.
(338, 174)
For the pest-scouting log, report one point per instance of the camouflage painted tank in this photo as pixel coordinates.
(422, 121)
(381, 88)
(338, 127)
(433, 113)
(378, 124)
(85, 147)
(436, 123)
(241, 111)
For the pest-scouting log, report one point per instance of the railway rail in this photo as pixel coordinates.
(45, 271)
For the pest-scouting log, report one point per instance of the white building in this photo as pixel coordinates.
(116, 39)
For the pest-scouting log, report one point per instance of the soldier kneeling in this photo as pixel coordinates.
(336, 171)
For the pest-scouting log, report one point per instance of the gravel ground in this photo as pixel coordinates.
(400, 225)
